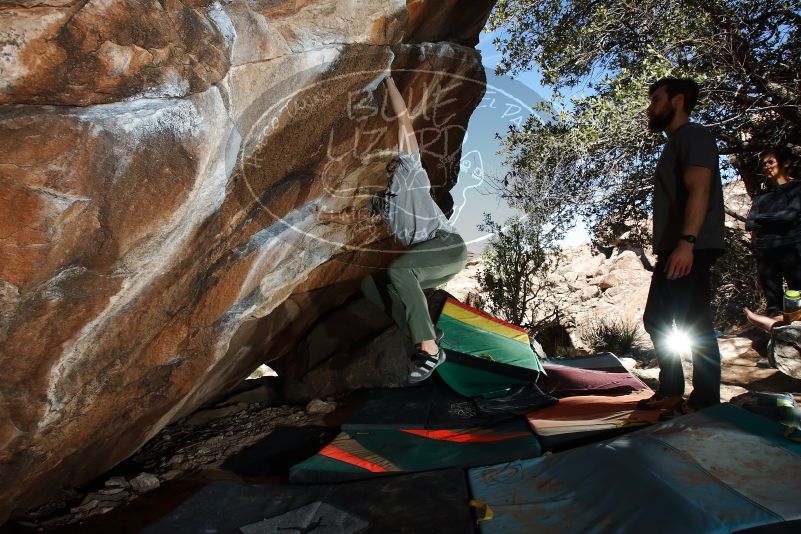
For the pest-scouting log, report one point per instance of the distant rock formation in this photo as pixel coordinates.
(159, 162)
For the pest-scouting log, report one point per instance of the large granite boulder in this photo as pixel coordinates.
(159, 165)
(335, 358)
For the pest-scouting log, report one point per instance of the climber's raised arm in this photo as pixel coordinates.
(407, 142)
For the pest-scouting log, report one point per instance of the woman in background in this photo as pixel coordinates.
(775, 220)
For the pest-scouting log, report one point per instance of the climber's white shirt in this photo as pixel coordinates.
(407, 205)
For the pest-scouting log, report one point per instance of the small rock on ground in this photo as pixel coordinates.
(317, 406)
(144, 482)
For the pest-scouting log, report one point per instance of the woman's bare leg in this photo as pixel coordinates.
(761, 321)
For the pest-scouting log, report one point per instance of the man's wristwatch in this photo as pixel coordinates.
(689, 238)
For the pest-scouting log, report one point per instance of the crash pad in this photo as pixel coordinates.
(565, 381)
(473, 341)
(369, 453)
(603, 361)
(718, 470)
(521, 399)
(434, 405)
(226, 506)
(279, 450)
(577, 419)
(318, 516)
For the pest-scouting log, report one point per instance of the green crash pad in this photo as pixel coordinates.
(360, 454)
(486, 357)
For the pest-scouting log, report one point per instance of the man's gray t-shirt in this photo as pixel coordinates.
(407, 206)
(690, 145)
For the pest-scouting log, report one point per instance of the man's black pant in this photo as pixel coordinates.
(774, 266)
(685, 301)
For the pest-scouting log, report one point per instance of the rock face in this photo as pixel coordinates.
(335, 358)
(159, 163)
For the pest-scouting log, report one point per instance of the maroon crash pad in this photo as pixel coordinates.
(564, 381)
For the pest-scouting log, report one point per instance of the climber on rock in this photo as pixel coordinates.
(435, 251)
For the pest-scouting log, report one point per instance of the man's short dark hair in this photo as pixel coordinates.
(679, 86)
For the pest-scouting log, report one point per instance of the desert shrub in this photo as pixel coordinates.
(514, 284)
(734, 282)
(618, 336)
(555, 339)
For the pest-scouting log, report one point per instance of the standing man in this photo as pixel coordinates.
(687, 239)
(435, 252)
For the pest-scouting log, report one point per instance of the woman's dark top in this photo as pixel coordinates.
(775, 216)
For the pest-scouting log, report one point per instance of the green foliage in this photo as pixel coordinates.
(593, 160)
(513, 285)
(594, 157)
(618, 336)
(734, 282)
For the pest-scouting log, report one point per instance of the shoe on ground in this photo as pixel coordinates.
(660, 402)
(685, 408)
(424, 364)
(692, 405)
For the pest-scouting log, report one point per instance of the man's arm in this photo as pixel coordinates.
(407, 142)
(698, 181)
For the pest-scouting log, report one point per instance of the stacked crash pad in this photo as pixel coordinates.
(435, 406)
(369, 453)
(597, 401)
(491, 375)
(718, 470)
(604, 361)
(422, 428)
(585, 417)
(486, 356)
(715, 471)
(602, 374)
(473, 418)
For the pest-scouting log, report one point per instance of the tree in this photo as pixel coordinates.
(514, 283)
(734, 281)
(593, 153)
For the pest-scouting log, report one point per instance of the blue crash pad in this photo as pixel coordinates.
(719, 470)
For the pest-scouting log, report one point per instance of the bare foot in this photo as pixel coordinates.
(761, 321)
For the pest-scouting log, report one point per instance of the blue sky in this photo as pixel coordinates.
(507, 101)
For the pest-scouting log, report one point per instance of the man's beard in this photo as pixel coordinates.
(658, 123)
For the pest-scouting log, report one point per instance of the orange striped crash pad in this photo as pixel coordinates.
(576, 417)
(365, 453)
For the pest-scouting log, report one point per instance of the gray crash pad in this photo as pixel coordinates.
(319, 517)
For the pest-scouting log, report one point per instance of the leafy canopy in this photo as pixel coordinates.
(594, 157)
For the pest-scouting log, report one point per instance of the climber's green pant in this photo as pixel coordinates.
(399, 289)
